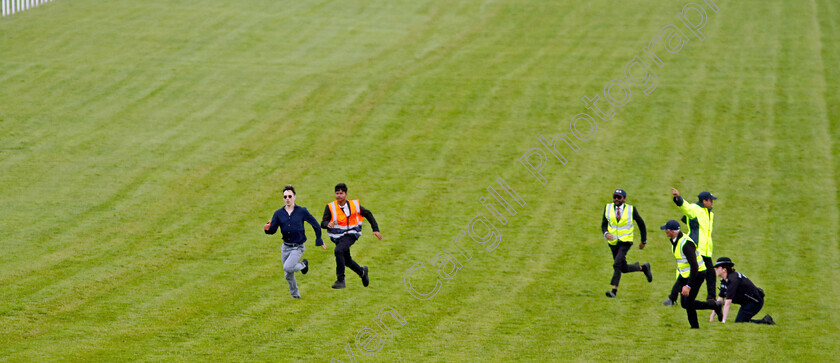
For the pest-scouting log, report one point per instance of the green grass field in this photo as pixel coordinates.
(143, 144)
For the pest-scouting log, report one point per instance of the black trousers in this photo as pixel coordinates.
(343, 258)
(620, 266)
(711, 278)
(710, 282)
(690, 303)
(747, 311)
(675, 291)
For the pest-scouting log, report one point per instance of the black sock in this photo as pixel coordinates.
(615, 291)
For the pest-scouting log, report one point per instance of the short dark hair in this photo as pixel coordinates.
(341, 186)
(289, 187)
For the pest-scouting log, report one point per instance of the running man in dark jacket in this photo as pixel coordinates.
(290, 221)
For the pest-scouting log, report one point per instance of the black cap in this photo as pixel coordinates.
(672, 225)
(724, 262)
(706, 195)
(620, 192)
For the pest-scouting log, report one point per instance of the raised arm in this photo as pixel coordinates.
(685, 208)
(677, 198)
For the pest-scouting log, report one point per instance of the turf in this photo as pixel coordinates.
(144, 144)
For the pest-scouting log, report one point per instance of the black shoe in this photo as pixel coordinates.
(365, 277)
(668, 302)
(610, 294)
(646, 270)
(296, 297)
(767, 319)
(719, 310)
(338, 284)
(305, 266)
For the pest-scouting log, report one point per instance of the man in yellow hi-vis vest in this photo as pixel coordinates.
(343, 222)
(691, 273)
(700, 221)
(617, 226)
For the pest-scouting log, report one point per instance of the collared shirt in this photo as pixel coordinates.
(292, 225)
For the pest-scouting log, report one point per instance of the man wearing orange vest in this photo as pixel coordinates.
(343, 222)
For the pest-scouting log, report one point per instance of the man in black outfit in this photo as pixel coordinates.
(617, 224)
(737, 288)
(343, 222)
(692, 272)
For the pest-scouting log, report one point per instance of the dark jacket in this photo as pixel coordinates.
(292, 225)
(738, 288)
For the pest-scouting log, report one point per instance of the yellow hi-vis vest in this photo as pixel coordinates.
(621, 229)
(705, 220)
(345, 224)
(683, 267)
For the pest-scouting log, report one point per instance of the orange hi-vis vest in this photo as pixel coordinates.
(345, 224)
